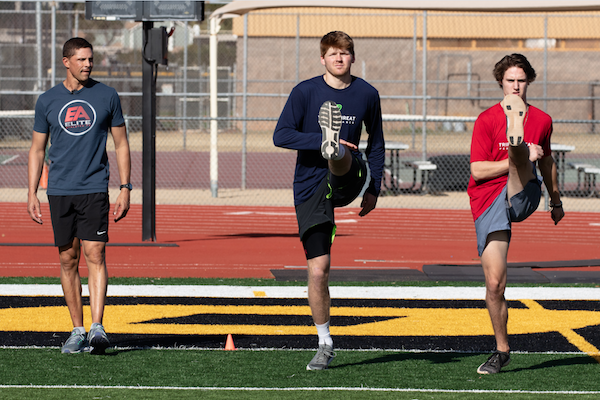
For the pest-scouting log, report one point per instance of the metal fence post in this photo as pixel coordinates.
(546, 62)
(215, 25)
(297, 48)
(38, 42)
(414, 78)
(424, 155)
(245, 102)
(148, 144)
(185, 68)
(53, 47)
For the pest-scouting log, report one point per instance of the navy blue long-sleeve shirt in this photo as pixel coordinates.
(298, 129)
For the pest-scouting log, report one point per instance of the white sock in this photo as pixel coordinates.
(80, 330)
(341, 153)
(324, 335)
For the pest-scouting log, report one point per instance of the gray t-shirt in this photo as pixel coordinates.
(78, 124)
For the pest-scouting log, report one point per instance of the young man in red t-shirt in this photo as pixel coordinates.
(508, 139)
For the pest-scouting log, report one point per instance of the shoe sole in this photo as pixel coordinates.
(75, 352)
(515, 110)
(330, 120)
(308, 367)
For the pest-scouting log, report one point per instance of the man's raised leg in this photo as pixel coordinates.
(520, 168)
(337, 154)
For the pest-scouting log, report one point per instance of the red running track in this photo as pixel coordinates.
(247, 242)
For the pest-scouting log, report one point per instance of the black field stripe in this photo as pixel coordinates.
(258, 319)
(41, 301)
(546, 342)
(586, 305)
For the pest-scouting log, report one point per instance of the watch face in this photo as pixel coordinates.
(127, 185)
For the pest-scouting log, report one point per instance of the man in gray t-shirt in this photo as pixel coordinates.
(76, 116)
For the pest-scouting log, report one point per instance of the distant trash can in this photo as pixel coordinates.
(452, 173)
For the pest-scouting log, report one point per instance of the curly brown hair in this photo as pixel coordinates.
(514, 60)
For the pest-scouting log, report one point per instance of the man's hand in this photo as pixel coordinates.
(368, 204)
(33, 208)
(121, 205)
(557, 213)
(348, 144)
(535, 152)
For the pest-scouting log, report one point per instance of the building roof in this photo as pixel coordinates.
(241, 7)
(489, 19)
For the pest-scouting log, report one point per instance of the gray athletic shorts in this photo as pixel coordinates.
(499, 215)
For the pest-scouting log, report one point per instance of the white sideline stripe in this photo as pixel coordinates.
(291, 349)
(298, 389)
(289, 292)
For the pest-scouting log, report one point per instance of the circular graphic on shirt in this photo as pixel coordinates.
(77, 117)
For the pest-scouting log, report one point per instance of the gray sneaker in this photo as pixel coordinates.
(322, 359)
(330, 120)
(495, 363)
(76, 343)
(97, 339)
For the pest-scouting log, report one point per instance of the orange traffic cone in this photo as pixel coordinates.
(229, 343)
(44, 177)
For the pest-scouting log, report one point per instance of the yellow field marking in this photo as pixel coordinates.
(565, 328)
(259, 293)
(131, 319)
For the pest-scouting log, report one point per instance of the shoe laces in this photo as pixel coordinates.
(323, 354)
(496, 359)
(75, 337)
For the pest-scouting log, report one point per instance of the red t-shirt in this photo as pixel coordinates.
(489, 143)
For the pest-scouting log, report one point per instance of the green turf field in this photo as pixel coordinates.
(174, 374)
(178, 373)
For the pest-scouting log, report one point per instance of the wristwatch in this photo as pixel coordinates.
(127, 185)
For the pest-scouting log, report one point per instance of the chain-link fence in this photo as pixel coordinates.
(262, 55)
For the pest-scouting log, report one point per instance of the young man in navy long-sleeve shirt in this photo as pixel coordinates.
(323, 120)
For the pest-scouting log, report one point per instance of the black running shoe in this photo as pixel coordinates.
(495, 363)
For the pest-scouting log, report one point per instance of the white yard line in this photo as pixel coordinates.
(340, 292)
(298, 389)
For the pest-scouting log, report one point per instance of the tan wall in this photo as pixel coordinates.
(314, 22)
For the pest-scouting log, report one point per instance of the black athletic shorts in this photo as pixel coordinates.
(83, 216)
(334, 191)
